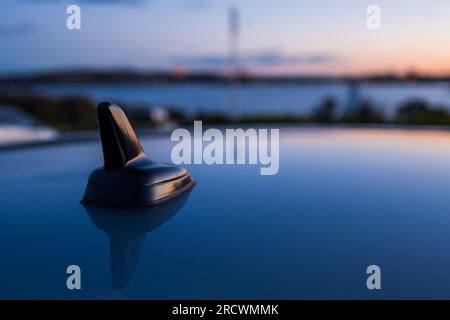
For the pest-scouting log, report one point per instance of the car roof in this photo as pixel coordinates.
(343, 199)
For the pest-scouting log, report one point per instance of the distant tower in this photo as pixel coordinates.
(234, 68)
(354, 99)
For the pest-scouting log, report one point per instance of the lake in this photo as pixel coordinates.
(296, 99)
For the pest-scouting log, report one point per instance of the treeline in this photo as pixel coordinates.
(415, 112)
(73, 113)
(64, 114)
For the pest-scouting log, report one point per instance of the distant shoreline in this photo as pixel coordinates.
(167, 77)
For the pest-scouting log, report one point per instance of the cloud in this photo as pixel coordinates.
(130, 2)
(195, 4)
(124, 2)
(262, 58)
(17, 29)
(187, 4)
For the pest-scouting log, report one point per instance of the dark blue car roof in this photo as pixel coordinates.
(343, 199)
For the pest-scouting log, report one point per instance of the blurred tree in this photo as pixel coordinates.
(419, 112)
(364, 113)
(65, 114)
(326, 112)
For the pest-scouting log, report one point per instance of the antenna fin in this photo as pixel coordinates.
(119, 142)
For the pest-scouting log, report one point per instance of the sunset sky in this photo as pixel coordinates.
(277, 36)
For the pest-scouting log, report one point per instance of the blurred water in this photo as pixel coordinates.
(298, 99)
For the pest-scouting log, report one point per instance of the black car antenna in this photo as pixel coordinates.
(119, 142)
(128, 177)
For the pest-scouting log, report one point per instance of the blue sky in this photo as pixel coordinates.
(277, 36)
